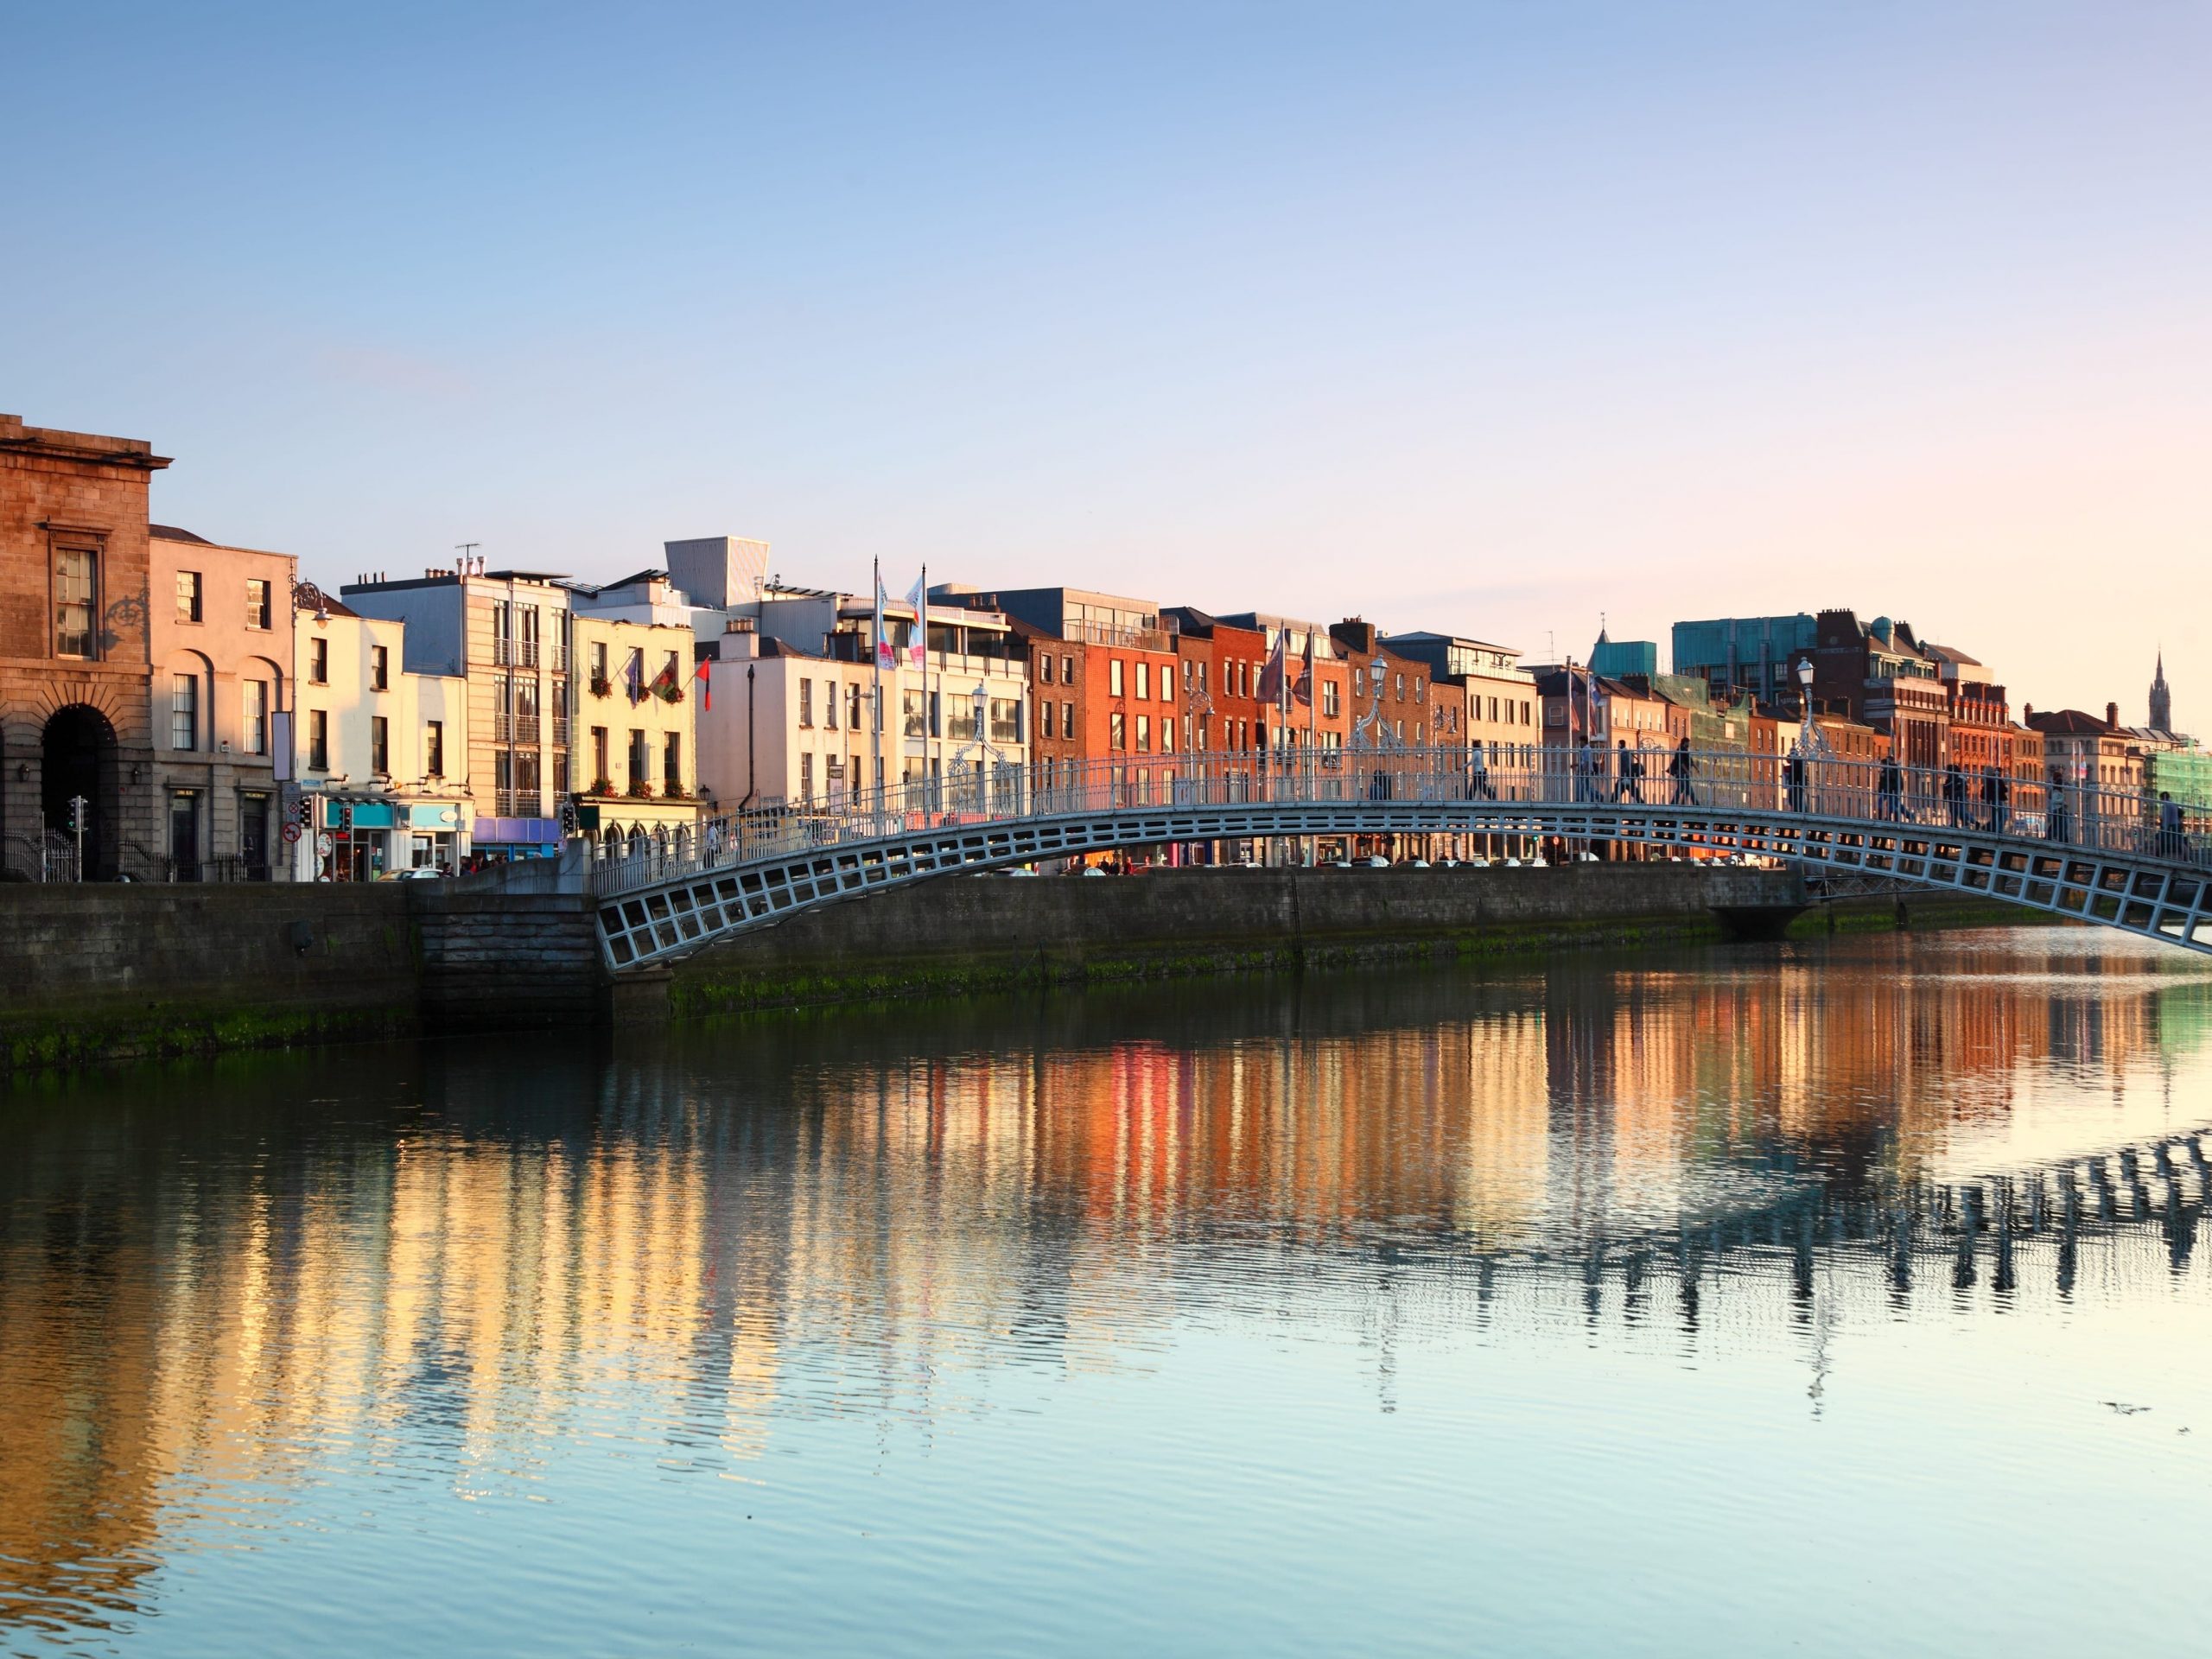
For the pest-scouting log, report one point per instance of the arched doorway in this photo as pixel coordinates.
(77, 760)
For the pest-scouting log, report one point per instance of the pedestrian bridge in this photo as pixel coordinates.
(2092, 855)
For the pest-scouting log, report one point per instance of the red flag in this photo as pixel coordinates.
(706, 683)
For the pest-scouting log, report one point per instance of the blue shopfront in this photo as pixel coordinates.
(365, 840)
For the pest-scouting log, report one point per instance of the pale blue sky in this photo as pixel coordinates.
(1477, 317)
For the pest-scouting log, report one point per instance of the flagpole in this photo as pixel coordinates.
(922, 621)
(875, 652)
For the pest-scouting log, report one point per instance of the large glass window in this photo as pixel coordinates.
(184, 712)
(256, 604)
(1113, 677)
(1117, 731)
(253, 711)
(1144, 680)
(76, 600)
(188, 596)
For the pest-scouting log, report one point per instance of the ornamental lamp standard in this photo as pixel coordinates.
(1810, 742)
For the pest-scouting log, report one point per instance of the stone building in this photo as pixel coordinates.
(636, 770)
(76, 663)
(221, 634)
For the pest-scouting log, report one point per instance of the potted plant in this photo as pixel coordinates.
(601, 686)
(641, 791)
(600, 786)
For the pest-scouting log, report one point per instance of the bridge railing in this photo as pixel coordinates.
(1704, 784)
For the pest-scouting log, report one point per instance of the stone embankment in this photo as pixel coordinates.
(95, 973)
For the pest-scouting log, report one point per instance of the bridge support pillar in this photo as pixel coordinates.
(1757, 924)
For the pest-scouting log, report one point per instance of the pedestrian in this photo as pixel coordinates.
(2173, 843)
(1624, 775)
(1681, 769)
(1955, 795)
(1992, 804)
(1892, 788)
(1793, 782)
(1586, 767)
(1478, 784)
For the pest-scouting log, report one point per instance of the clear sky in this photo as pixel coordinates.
(1478, 317)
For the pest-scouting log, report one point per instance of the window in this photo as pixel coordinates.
(434, 748)
(1067, 671)
(602, 778)
(1067, 720)
(671, 763)
(830, 704)
(256, 604)
(852, 706)
(1144, 681)
(525, 694)
(76, 572)
(1329, 699)
(253, 724)
(380, 668)
(318, 739)
(502, 625)
(184, 712)
(599, 662)
(1113, 677)
(1167, 735)
(806, 702)
(1045, 667)
(910, 707)
(1117, 735)
(1189, 674)
(1398, 690)
(188, 596)
(1045, 721)
(380, 745)
(641, 760)
(319, 662)
(526, 641)
(1006, 720)
(806, 777)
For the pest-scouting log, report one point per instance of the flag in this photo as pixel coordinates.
(1270, 687)
(633, 676)
(884, 655)
(706, 684)
(917, 648)
(1304, 691)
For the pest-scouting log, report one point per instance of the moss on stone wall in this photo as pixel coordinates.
(161, 1032)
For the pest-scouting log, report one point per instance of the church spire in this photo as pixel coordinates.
(2162, 701)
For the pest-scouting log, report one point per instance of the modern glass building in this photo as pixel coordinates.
(1751, 651)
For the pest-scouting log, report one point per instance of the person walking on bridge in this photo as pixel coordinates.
(1478, 784)
(1992, 799)
(1624, 775)
(1954, 796)
(1793, 781)
(1682, 768)
(1586, 773)
(2173, 841)
(1891, 788)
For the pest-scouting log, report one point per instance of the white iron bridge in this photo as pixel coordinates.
(2111, 858)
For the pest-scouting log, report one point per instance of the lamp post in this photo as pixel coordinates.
(1810, 742)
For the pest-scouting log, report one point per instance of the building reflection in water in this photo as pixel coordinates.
(447, 1258)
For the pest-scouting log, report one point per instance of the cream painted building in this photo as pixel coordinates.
(637, 759)
(220, 630)
(381, 754)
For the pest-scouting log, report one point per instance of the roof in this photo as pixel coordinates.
(2068, 722)
(171, 533)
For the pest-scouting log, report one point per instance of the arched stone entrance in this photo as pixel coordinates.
(77, 757)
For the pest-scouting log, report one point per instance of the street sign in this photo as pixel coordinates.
(323, 844)
(290, 832)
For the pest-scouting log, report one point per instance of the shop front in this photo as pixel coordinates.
(500, 840)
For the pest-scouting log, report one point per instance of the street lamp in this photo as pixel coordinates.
(1809, 739)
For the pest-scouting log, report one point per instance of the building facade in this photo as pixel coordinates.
(76, 663)
(380, 753)
(635, 766)
(221, 630)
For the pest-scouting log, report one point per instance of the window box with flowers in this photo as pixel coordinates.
(641, 791)
(602, 786)
(601, 686)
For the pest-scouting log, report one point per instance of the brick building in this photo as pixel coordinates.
(1880, 674)
(76, 661)
(1222, 682)
(1396, 698)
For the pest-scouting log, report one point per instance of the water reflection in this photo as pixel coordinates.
(222, 1288)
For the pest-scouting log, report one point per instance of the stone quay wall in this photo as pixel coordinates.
(992, 932)
(101, 970)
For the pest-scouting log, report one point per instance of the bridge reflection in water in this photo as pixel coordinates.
(445, 1263)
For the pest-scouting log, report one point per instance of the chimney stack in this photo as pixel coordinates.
(2111, 717)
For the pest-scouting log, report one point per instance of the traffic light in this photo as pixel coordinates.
(569, 820)
(304, 812)
(346, 816)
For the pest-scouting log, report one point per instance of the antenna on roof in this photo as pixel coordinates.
(467, 550)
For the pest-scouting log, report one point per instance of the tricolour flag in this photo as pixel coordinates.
(885, 658)
(1270, 687)
(917, 648)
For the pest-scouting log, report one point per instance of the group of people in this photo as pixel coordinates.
(1623, 779)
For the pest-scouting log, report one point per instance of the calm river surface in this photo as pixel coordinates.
(1839, 1299)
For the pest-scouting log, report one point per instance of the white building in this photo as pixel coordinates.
(795, 693)
(380, 753)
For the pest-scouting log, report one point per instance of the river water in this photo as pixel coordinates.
(1839, 1299)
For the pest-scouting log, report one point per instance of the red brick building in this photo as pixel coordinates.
(75, 660)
